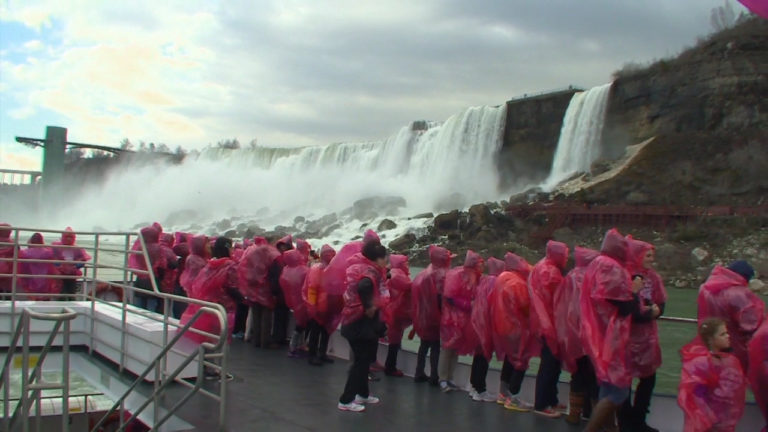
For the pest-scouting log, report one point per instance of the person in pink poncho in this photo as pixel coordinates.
(258, 272)
(712, 389)
(158, 261)
(568, 325)
(726, 295)
(426, 294)
(291, 281)
(281, 313)
(39, 288)
(6, 251)
(543, 283)
(316, 300)
(69, 252)
(397, 310)
(644, 347)
(480, 321)
(456, 333)
(512, 337)
(608, 305)
(758, 369)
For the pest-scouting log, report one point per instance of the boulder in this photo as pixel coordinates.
(327, 231)
(319, 224)
(231, 234)
(403, 242)
(480, 215)
(369, 208)
(386, 225)
(447, 221)
(700, 256)
(424, 216)
(299, 219)
(224, 224)
(757, 286)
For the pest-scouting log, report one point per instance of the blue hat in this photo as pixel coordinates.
(742, 268)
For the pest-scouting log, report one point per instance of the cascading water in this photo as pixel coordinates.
(579, 143)
(271, 186)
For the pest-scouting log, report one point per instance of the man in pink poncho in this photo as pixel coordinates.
(158, 261)
(69, 252)
(291, 281)
(480, 320)
(726, 295)
(40, 288)
(543, 283)
(456, 333)
(397, 310)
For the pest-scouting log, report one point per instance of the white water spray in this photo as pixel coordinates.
(579, 143)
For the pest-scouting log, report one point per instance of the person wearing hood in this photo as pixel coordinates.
(7, 248)
(361, 325)
(567, 323)
(758, 369)
(42, 287)
(480, 324)
(281, 313)
(292, 280)
(726, 295)
(712, 389)
(426, 293)
(644, 348)
(182, 250)
(258, 272)
(512, 337)
(158, 263)
(397, 311)
(456, 333)
(69, 252)
(543, 283)
(316, 301)
(608, 306)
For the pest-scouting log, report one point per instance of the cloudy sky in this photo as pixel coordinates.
(292, 72)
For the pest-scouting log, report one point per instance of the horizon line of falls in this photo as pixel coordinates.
(580, 136)
(424, 163)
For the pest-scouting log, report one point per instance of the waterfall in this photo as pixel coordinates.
(423, 163)
(579, 143)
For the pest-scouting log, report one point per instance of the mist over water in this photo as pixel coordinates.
(424, 163)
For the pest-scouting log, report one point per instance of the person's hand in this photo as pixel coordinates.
(637, 284)
(655, 311)
(371, 311)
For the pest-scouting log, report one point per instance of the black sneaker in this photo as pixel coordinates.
(420, 378)
(434, 382)
(314, 361)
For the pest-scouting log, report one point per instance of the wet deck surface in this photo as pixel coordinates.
(272, 392)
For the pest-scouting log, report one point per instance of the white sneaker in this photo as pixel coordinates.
(484, 397)
(352, 407)
(472, 392)
(444, 387)
(371, 400)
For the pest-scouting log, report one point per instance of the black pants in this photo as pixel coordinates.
(512, 377)
(318, 340)
(546, 379)
(433, 347)
(636, 413)
(178, 308)
(584, 382)
(479, 373)
(363, 354)
(241, 316)
(280, 325)
(261, 325)
(391, 364)
(68, 286)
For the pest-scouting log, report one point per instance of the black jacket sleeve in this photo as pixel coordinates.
(365, 291)
(632, 307)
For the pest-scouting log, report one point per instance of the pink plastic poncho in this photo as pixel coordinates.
(425, 290)
(726, 295)
(6, 251)
(481, 308)
(397, 311)
(510, 319)
(66, 254)
(712, 389)
(644, 348)
(40, 287)
(518, 264)
(359, 267)
(456, 331)
(199, 255)
(211, 285)
(303, 247)
(286, 241)
(291, 281)
(758, 368)
(543, 283)
(335, 277)
(170, 273)
(253, 269)
(312, 292)
(568, 310)
(151, 238)
(759, 7)
(604, 333)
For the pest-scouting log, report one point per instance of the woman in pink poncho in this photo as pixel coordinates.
(544, 281)
(199, 254)
(568, 324)
(480, 320)
(511, 322)
(39, 288)
(291, 281)
(78, 256)
(726, 295)
(758, 369)
(158, 261)
(426, 293)
(456, 333)
(397, 310)
(258, 271)
(316, 300)
(644, 348)
(712, 384)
